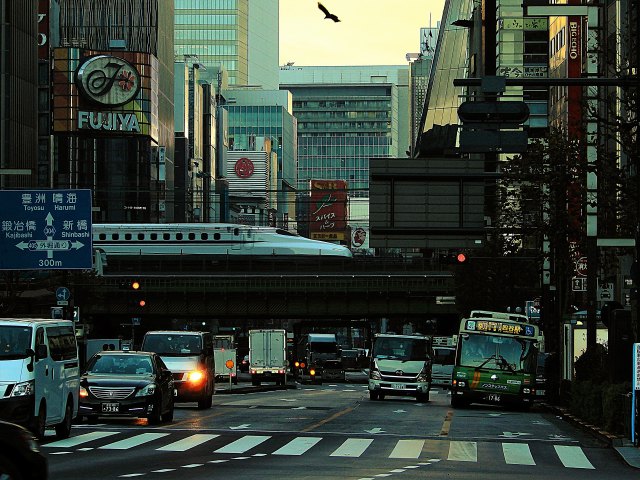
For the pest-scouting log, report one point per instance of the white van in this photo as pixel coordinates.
(39, 374)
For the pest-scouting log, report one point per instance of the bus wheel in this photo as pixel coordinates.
(458, 402)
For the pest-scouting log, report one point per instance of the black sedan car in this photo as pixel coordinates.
(125, 383)
(20, 455)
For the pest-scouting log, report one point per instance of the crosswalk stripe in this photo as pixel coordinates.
(80, 439)
(243, 444)
(572, 457)
(517, 454)
(134, 441)
(187, 443)
(297, 446)
(352, 447)
(463, 452)
(407, 449)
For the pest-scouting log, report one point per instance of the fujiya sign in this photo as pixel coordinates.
(110, 82)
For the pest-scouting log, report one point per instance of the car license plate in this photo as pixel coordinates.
(110, 407)
(493, 397)
(398, 386)
(540, 392)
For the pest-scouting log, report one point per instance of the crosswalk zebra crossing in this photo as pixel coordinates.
(510, 453)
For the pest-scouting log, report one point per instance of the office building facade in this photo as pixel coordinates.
(242, 35)
(116, 141)
(18, 93)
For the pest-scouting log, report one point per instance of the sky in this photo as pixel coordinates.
(370, 32)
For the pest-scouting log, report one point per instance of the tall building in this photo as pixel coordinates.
(254, 114)
(242, 35)
(347, 115)
(115, 137)
(18, 93)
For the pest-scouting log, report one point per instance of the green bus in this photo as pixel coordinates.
(496, 359)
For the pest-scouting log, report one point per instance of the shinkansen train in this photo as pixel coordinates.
(207, 240)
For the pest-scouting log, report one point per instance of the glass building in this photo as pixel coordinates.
(129, 172)
(242, 35)
(256, 114)
(346, 115)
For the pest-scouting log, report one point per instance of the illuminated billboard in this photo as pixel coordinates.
(105, 92)
(328, 209)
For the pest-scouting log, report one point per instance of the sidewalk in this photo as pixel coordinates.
(624, 446)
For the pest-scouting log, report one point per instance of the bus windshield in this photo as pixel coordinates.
(498, 353)
(407, 349)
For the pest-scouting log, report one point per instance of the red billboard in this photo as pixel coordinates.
(328, 209)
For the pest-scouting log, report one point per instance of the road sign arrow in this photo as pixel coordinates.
(77, 245)
(49, 219)
(373, 431)
(240, 427)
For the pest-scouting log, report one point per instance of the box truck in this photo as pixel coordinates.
(268, 356)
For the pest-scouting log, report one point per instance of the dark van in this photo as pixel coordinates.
(189, 356)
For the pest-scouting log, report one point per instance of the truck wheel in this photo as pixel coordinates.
(63, 429)
(255, 382)
(39, 423)
(373, 395)
(422, 397)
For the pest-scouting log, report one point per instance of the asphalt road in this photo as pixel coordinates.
(334, 431)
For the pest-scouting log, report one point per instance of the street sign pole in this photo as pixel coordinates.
(634, 391)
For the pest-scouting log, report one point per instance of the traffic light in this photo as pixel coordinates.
(132, 285)
(461, 258)
(455, 258)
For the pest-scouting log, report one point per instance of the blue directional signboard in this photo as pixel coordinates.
(45, 229)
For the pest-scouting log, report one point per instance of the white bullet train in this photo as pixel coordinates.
(207, 240)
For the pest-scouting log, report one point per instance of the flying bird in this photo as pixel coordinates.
(327, 14)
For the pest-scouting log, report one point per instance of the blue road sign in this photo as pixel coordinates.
(63, 293)
(45, 230)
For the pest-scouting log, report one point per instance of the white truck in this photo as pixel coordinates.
(400, 365)
(268, 356)
(224, 353)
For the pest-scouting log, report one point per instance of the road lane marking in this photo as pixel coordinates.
(463, 452)
(243, 444)
(352, 447)
(84, 438)
(328, 419)
(407, 449)
(517, 454)
(135, 441)
(187, 443)
(297, 446)
(572, 457)
(446, 425)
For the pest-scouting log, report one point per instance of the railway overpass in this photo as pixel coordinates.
(257, 294)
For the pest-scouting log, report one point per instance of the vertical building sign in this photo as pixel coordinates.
(574, 70)
(43, 29)
(328, 209)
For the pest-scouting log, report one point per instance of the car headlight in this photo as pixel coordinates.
(84, 393)
(23, 389)
(146, 391)
(375, 375)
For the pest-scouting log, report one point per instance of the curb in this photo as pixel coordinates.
(610, 439)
